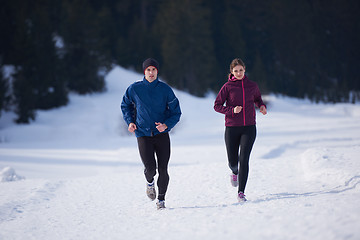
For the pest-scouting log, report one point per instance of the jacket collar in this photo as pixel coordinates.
(153, 83)
(232, 78)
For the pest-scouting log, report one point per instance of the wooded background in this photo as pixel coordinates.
(305, 49)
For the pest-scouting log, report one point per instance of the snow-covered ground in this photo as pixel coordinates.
(75, 173)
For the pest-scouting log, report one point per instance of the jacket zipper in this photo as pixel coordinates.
(243, 100)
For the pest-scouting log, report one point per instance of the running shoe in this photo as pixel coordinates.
(241, 197)
(160, 204)
(234, 180)
(150, 191)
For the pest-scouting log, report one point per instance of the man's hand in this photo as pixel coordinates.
(132, 127)
(160, 127)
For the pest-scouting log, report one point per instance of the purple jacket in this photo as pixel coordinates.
(239, 93)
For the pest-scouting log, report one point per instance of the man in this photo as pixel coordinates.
(151, 110)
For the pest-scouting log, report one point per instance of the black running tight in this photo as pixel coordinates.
(158, 145)
(243, 138)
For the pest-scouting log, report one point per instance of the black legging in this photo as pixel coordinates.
(243, 138)
(148, 147)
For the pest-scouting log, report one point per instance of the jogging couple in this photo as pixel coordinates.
(151, 109)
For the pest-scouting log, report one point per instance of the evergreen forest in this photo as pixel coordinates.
(49, 48)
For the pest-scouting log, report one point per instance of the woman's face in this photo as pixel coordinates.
(151, 73)
(238, 71)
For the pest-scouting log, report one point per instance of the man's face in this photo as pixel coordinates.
(151, 73)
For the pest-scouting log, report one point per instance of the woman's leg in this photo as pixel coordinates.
(247, 141)
(232, 142)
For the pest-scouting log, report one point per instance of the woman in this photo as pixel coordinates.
(151, 110)
(239, 95)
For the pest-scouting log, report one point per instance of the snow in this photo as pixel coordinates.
(77, 173)
(8, 174)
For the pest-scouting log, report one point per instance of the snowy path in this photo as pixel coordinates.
(201, 203)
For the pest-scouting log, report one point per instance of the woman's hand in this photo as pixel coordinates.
(263, 110)
(237, 109)
(160, 127)
(132, 127)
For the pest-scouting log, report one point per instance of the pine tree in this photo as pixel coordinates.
(3, 90)
(186, 45)
(82, 60)
(258, 74)
(37, 84)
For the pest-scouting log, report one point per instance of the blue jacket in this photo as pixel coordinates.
(145, 103)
